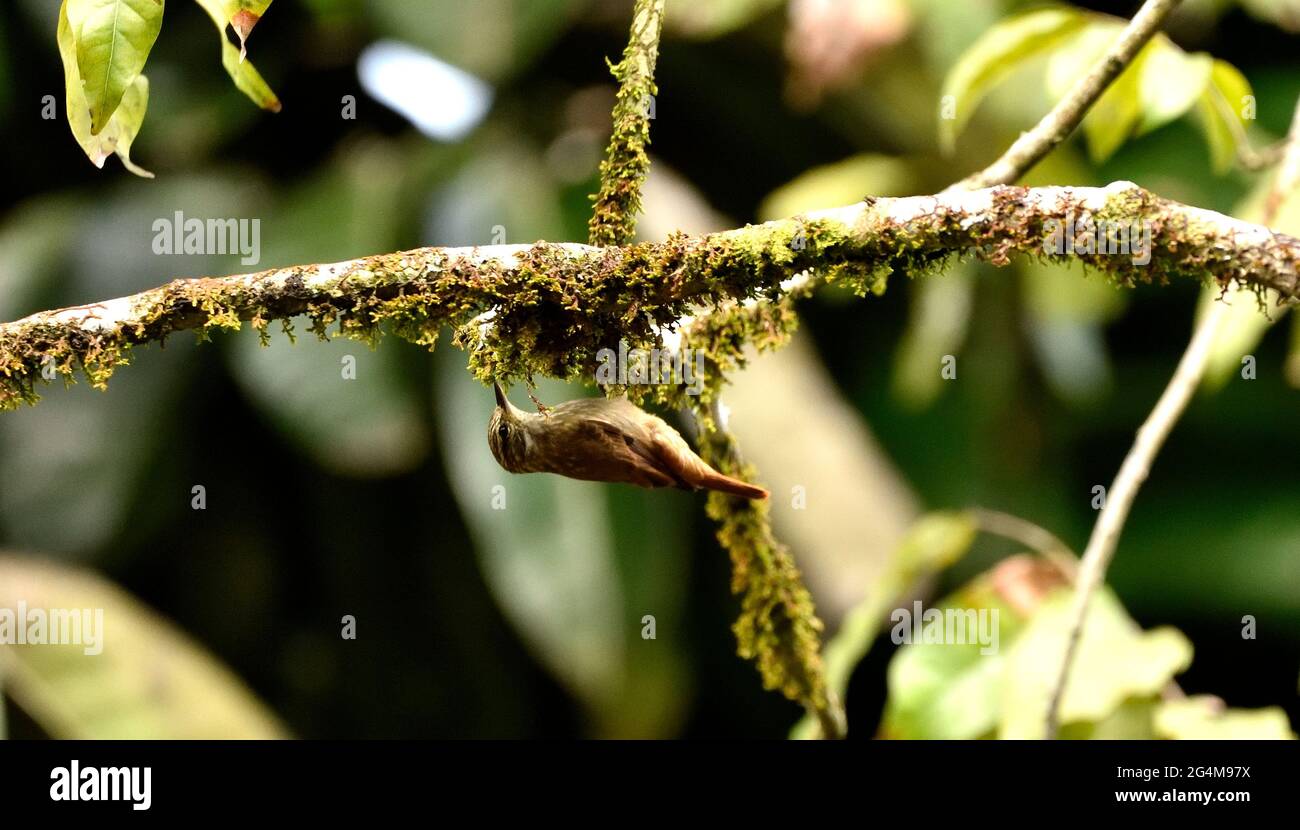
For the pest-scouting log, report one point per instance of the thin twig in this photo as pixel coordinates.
(1032, 146)
(1119, 498)
(1151, 437)
(1036, 538)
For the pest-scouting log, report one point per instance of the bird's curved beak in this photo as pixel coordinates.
(501, 396)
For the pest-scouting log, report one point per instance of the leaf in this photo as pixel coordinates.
(1204, 717)
(1065, 309)
(716, 18)
(999, 51)
(1171, 82)
(840, 183)
(1223, 111)
(951, 690)
(247, 79)
(148, 681)
(1115, 662)
(244, 18)
(113, 39)
(936, 541)
(937, 323)
(1116, 114)
(118, 134)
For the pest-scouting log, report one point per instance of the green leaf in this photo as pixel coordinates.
(951, 690)
(994, 56)
(247, 79)
(1115, 116)
(1115, 662)
(120, 131)
(1203, 717)
(1223, 111)
(113, 39)
(147, 681)
(1171, 82)
(937, 323)
(936, 541)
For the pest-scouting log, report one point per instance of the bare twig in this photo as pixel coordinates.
(1151, 437)
(1036, 538)
(1032, 146)
(1119, 498)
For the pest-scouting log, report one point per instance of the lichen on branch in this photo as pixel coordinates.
(548, 308)
(617, 204)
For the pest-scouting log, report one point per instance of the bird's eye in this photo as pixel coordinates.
(503, 432)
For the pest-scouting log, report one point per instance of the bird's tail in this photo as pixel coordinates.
(715, 480)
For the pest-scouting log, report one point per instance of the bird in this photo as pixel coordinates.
(602, 439)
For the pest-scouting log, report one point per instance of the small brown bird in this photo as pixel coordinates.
(603, 439)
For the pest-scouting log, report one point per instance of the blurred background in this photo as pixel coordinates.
(477, 121)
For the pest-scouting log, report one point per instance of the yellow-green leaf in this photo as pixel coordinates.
(1223, 111)
(999, 51)
(934, 542)
(1171, 82)
(247, 79)
(113, 39)
(1204, 717)
(1115, 663)
(131, 674)
(118, 134)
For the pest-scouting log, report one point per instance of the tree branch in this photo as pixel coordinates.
(549, 307)
(613, 219)
(1057, 125)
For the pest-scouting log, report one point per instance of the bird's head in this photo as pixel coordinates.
(507, 433)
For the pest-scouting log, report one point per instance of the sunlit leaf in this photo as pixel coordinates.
(714, 18)
(935, 542)
(1117, 113)
(247, 79)
(131, 675)
(952, 690)
(1115, 662)
(936, 327)
(113, 39)
(1171, 82)
(995, 55)
(840, 183)
(1204, 717)
(1223, 111)
(120, 131)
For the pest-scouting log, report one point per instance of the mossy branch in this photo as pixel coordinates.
(613, 219)
(548, 308)
(778, 627)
